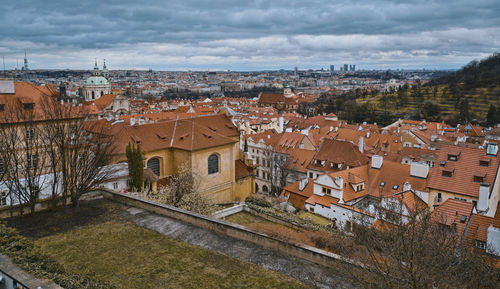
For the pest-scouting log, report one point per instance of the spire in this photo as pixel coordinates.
(105, 71)
(96, 69)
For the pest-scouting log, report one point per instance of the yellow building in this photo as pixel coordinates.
(208, 145)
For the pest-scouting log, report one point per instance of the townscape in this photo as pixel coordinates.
(378, 171)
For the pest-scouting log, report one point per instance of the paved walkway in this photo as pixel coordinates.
(22, 276)
(299, 269)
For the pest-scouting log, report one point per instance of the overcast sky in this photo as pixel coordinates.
(248, 35)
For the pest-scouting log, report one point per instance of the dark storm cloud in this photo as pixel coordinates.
(245, 31)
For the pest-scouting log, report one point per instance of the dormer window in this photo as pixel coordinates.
(28, 105)
(479, 178)
(327, 191)
(447, 173)
(2, 107)
(453, 156)
(484, 162)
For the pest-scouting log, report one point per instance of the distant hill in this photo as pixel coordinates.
(462, 96)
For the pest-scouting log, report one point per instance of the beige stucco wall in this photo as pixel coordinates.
(445, 196)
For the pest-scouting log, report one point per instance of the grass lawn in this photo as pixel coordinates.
(315, 218)
(243, 218)
(129, 256)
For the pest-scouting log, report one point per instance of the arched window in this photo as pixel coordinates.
(213, 164)
(265, 189)
(102, 93)
(154, 165)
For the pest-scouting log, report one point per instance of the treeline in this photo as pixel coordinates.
(476, 74)
(347, 108)
(187, 94)
(471, 94)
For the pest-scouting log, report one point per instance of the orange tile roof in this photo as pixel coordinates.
(478, 229)
(337, 152)
(25, 93)
(294, 188)
(271, 98)
(326, 201)
(186, 134)
(104, 101)
(451, 212)
(242, 170)
(464, 169)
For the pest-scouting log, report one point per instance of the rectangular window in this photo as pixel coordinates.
(3, 198)
(2, 107)
(479, 244)
(30, 133)
(32, 161)
(311, 175)
(115, 186)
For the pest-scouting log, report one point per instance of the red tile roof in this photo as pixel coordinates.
(463, 170)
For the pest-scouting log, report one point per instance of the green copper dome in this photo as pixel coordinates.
(96, 80)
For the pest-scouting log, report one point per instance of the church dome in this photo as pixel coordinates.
(96, 80)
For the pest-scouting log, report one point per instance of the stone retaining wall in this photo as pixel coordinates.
(233, 230)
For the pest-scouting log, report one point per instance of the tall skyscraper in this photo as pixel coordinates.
(353, 67)
(296, 71)
(346, 67)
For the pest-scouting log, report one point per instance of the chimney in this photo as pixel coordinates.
(406, 187)
(377, 161)
(484, 194)
(493, 240)
(281, 124)
(303, 183)
(132, 121)
(340, 182)
(361, 144)
(419, 170)
(331, 128)
(305, 132)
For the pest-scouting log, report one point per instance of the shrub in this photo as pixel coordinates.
(30, 258)
(258, 202)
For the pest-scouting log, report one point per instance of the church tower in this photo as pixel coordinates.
(105, 72)
(96, 71)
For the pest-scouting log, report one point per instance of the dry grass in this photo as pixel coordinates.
(243, 218)
(133, 257)
(315, 218)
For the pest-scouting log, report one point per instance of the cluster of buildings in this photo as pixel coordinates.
(348, 173)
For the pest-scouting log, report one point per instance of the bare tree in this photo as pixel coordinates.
(279, 172)
(183, 191)
(22, 154)
(417, 252)
(78, 151)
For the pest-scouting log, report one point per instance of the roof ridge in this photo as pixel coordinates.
(173, 133)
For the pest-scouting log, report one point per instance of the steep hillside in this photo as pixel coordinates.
(465, 95)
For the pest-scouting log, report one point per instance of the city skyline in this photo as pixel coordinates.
(246, 36)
